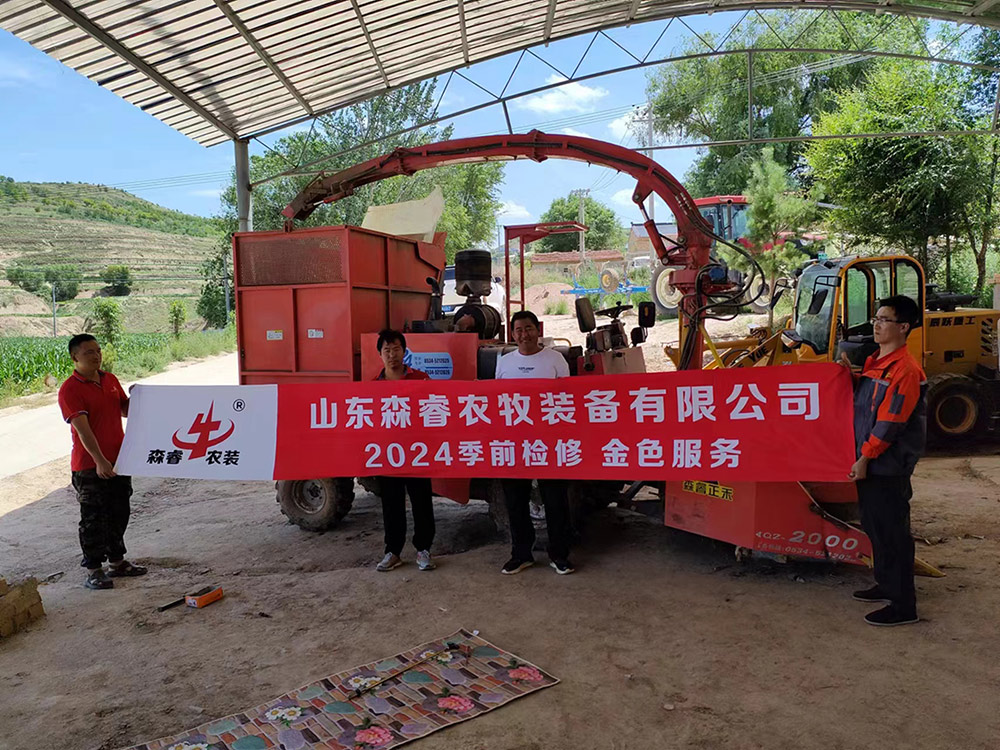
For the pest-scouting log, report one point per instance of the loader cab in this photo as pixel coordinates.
(837, 298)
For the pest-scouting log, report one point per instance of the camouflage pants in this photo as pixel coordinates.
(104, 513)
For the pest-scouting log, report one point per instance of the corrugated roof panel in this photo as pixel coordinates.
(186, 62)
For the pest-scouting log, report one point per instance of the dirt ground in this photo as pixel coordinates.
(661, 639)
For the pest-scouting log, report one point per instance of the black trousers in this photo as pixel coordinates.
(517, 497)
(393, 491)
(885, 517)
(104, 514)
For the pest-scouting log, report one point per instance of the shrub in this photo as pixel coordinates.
(119, 279)
(177, 315)
(108, 326)
(29, 278)
(65, 279)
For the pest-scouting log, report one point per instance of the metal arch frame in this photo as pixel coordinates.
(503, 99)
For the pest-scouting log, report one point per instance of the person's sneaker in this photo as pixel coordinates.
(514, 566)
(562, 567)
(389, 562)
(424, 561)
(890, 616)
(99, 580)
(874, 594)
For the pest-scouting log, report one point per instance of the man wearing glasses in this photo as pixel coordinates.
(890, 427)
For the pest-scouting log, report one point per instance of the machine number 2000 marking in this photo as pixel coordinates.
(813, 539)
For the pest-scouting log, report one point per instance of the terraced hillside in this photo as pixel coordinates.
(92, 226)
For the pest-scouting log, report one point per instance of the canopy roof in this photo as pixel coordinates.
(221, 69)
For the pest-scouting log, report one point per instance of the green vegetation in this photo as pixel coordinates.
(108, 325)
(705, 98)
(471, 191)
(25, 361)
(177, 315)
(775, 216)
(64, 278)
(98, 203)
(119, 279)
(605, 230)
(557, 307)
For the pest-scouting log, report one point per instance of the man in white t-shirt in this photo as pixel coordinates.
(532, 361)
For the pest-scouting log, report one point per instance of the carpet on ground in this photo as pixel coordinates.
(384, 704)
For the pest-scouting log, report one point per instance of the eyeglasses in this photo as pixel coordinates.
(877, 321)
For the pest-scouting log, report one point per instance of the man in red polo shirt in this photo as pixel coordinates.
(94, 402)
(392, 349)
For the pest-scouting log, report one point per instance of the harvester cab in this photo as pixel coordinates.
(835, 302)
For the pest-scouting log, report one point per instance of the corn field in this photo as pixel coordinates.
(25, 359)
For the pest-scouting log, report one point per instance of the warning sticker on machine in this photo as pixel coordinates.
(314, 333)
(709, 489)
(275, 335)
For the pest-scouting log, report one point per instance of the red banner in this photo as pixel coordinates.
(752, 424)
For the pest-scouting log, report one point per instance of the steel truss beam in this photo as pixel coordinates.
(502, 100)
(98, 33)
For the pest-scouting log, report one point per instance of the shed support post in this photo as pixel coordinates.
(243, 195)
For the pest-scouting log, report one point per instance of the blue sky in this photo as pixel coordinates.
(59, 126)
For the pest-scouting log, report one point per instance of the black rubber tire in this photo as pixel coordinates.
(958, 408)
(315, 504)
(585, 498)
(664, 305)
(762, 303)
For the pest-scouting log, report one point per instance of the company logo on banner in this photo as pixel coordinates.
(752, 424)
(201, 432)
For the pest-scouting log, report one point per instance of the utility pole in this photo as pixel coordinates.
(647, 119)
(581, 193)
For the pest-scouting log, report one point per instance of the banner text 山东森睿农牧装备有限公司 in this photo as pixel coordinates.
(723, 424)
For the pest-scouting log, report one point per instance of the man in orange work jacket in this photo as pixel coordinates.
(890, 428)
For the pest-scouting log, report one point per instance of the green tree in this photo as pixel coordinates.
(119, 279)
(898, 191)
(28, 278)
(980, 219)
(775, 216)
(705, 98)
(368, 129)
(65, 279)
(108, 326)
(212, 301)
(604, 230)
(177, 314)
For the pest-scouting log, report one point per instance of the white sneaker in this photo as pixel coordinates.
(389, 562)
(424, 561)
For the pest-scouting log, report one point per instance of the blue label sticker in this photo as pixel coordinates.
(438, 365)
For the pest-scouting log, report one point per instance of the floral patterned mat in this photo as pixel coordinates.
(384, 704)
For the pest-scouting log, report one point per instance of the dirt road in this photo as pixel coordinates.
(34, 436)
(661, 639)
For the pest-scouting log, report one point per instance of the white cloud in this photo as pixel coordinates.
(622, 126)
(512, 210)
(206, 193)
(571, 97)
(623, 197)
(14, 74)
(574, 131)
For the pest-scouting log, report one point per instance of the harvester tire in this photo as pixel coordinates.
(664, 295)
(587, 497)
(315, 504)
(958, 408)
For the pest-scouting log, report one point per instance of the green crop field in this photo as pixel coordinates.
(25, 359)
